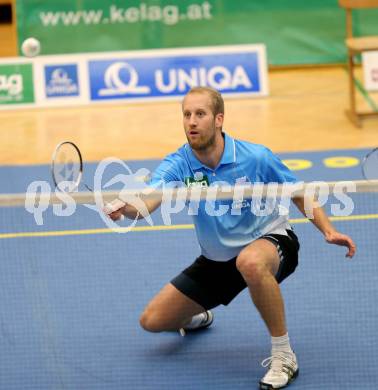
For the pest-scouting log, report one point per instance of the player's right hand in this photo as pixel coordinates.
(114, 210)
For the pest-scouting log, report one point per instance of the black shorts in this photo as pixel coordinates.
(212, 283)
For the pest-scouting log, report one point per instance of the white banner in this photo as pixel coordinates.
(148, 75)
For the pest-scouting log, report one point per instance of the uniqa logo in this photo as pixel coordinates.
(116, 86)
(121, 78)
(60, 82)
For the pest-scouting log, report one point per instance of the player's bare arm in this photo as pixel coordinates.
(320, 219)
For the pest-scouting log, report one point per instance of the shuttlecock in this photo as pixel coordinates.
(30, 47)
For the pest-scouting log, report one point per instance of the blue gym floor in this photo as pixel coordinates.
(70, 303)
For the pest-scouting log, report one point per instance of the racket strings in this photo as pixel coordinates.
(67, 166)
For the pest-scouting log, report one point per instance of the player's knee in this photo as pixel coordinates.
(250, 266)
(150, 321)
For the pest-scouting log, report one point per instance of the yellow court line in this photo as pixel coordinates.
(81, 232)
(95, 231)
(346, 218)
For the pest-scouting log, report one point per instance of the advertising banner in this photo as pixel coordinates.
(294, 31)
(145, 75)
(16, 83)
(61, 80)
(238, 70)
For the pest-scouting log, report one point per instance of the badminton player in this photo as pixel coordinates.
(238, 249)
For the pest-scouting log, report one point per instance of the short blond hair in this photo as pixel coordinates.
(215, 96)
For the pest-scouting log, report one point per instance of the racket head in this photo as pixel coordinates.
(67, 166)
(370, 165)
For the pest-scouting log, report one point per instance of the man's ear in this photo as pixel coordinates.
(219, 118)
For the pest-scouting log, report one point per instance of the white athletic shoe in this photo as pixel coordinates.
(200, 321)
(283, 369)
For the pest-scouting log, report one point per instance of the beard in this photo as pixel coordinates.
(202, 143)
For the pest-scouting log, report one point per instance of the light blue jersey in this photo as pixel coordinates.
(224, 228)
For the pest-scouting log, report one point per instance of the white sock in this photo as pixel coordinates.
(195, 321)
(281, 344)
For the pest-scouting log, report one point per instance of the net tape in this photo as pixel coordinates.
(197, 193)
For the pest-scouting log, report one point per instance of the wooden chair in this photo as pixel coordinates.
(357, 45)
